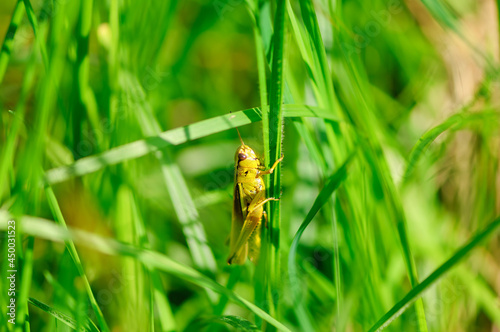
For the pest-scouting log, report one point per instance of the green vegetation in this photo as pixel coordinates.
(117, 142)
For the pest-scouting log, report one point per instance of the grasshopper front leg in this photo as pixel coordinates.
(271, 170)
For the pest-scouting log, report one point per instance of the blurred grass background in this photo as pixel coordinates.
(405, 91)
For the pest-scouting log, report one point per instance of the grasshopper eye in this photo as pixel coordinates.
(242, 156)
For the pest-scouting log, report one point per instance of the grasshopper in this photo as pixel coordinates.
(248, 205)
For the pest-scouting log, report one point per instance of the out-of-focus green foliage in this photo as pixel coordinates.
(117, 147)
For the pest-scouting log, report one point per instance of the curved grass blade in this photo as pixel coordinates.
(417, 291)
(175, 136)
(324, 195)
(455, 121)
(48, 230)
(61, 316)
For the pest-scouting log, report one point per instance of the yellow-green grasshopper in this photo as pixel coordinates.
(248, 205)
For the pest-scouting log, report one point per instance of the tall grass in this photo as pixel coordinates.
(117, 149)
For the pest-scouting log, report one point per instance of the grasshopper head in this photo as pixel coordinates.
(245, 155)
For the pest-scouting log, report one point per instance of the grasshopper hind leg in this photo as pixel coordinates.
(254, 244)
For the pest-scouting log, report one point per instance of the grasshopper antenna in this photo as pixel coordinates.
(241, 139)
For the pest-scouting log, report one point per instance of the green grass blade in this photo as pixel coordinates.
(442, 13)
(274, 148)
(58, 216)
(417, 291)
(260, 276)
(45, 229)
(175, 136)
(321, 69)
(261, 67)
(8, 151)
(457, 121)
(209, 323)
(323, 197)
(61, 316)
(6, 49)
(174, 181)
(34, 24)
(165, 315)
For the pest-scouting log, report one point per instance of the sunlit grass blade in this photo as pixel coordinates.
(61, 316)
(45, 229)
(321, 69)
(417, 291)
(175, 136)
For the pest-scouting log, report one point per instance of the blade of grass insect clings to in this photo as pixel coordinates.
(275, 140)
(260, 279)
(418, 290)
(49, 230)
(6, 49)
(323, 197)
(58, 216)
